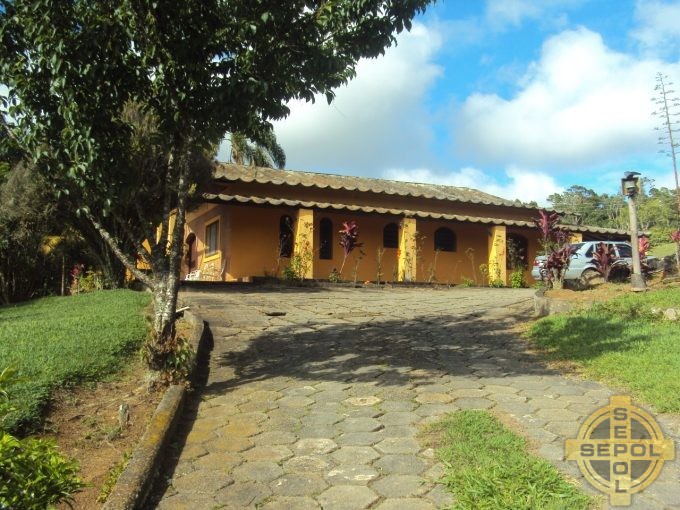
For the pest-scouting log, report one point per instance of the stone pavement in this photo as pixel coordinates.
(314, 397)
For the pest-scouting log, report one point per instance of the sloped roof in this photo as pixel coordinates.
(232, 172)
(239, 199)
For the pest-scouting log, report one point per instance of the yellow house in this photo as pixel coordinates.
(256, 222)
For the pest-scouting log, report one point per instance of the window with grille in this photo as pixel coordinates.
(286, 236)
(444, 240)
(326, 239)
(212, 237)
(391, 236)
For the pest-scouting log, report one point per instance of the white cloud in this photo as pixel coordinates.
(581, 103)
(659, 26)
(521, 184)
(378, 119)
(502, 13)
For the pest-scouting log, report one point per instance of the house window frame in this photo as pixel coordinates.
(437, 240)
(396, 240)
(326, 239)
(209, 255)
(290, 244)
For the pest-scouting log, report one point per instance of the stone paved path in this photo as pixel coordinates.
(314, 397)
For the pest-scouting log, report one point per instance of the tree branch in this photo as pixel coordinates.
(129, 264)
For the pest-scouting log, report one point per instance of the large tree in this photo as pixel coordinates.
(197, 69)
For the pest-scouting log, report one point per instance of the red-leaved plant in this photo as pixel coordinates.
(547, 226)
(604, 258)
(557, 264)
(643, 246)
(349, 236)
(675, 236)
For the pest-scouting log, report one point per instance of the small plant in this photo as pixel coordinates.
(334, 277)
(179, 356)
(355, 269)
(643, 246)
(379, 265)
(349, 236)
(484, 272)
(517, 280)
(467, 282)
(470, 254)
(34, 474)
(432, 270)
(557, 264)
(604, 258)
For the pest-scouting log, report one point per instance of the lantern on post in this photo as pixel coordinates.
(631, 187)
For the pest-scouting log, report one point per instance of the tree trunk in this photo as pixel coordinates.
(166, 282)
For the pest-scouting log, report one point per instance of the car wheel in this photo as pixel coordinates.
(591, 277)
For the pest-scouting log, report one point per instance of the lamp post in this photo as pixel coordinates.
(630, 186)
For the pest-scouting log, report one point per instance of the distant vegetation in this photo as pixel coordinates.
(657, 211)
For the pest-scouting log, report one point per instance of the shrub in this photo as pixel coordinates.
(517, 279)
(468, 282)
(33, 474)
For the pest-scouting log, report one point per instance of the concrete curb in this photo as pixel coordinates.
(136, 480)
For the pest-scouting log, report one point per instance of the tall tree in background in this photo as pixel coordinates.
(263, 152)
(668, 109)
(198, 68)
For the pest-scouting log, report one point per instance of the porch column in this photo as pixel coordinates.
(407, 250)
(497, 254)
(304, 241)
(576, 237)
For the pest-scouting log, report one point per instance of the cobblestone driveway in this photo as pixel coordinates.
(314, 397)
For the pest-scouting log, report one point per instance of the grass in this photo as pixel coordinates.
(488, 467)
(623, 343)
(60, 341)
(663, 250)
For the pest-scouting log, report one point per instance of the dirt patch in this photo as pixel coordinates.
(603, 291)
(86, 424)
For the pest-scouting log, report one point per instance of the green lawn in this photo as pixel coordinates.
(59, 341)
(489, 467)
(663, 250)
(621, 343)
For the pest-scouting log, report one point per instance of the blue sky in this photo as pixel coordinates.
(520, 98)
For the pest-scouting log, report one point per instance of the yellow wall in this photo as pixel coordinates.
(249, 243)
(452, 267)
(196, 222)
(370, 234)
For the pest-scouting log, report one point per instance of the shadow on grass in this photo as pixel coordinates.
(582, 338)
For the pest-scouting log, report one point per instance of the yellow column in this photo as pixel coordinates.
(497, 254)
(407, 250)
(304, 241)
(576, 237)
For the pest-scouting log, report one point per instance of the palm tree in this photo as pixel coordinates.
(265, 151)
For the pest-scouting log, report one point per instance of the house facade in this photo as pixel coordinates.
(257, 222)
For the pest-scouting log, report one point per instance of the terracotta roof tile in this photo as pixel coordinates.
(231, 172)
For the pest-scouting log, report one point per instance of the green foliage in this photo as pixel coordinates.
(27, 216)
(178, 362)
(265, 151)
(517, 280)
(334, 276)
(33, 474)
(623, 343)
(58, 341)
(488, 467)
(468, 282)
